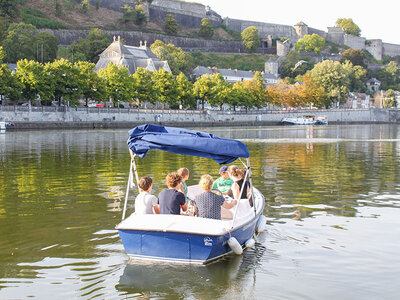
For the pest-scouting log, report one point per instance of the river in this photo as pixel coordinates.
(332, 204)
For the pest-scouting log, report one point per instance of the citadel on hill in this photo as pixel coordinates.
(189, 15)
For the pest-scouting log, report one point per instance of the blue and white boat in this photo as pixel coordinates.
(186, 239)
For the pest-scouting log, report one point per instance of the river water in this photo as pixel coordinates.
(332, 203)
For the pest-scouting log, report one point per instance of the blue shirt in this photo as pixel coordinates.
(170, 201)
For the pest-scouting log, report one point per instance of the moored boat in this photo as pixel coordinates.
(187, 239)
(305, 120)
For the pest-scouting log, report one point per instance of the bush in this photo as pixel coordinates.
(39, 20)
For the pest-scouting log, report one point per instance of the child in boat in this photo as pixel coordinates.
(184, 173)
(172, 200)
(145, 202)
(223, 183)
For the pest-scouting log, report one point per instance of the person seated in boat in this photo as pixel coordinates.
(184, 173)
(223, 183)
(145, 202)
(172, 200)
(237, 176)
(208, 203)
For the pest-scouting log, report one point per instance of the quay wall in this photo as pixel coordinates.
(60, 117)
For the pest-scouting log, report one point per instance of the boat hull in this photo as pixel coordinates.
(180, 246)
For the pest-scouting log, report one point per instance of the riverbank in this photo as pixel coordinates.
(25, 118)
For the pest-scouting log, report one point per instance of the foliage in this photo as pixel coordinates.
(256, 88)
(310, 43)
(139, 15)
(39, 19)
(20, 42)
(170, 25)
(358, 77)
(118, 83)
(165, 87)
(178, 60)
(97, 4)
(58, 8)
(390, 99)
(143, 86)
(251, 40)
(206, 29)
(334, 77)
(34, 80)
(185, 95)
(9, 8)
(235, 34)
(9, 85)
(310, 92)
(91, 86)
(211, 89)
(239, 96)
(389, 76)
(348, 26)
(47, 46)
(294, 65)
(355, 56)
(85, 6)
(64, 75)
(92, 45)
(127, 13)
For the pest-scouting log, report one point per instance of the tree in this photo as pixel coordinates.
(64, 75)
(19, 42)
(239, 96)
(34, 81)
(185, 95)
(358, 77)
(211, 89)
(310, 43)
(355, 56)
(143, 90)
(92, 45)
(390, 99)
(9, 85)
(47, 47)
(127, 13)
(256, 88)
(9, 8)
(348, 26)
(91, 86)
(206, 29)
(250, 38)
(177, 59)
(294, 64)
(118, 83)
(165, 87)
(139, 15)
(310, 92)
(170, 25)
(85, 6)
(334, 77)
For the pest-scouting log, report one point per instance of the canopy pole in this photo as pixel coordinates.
(130, 181)
(241, 191)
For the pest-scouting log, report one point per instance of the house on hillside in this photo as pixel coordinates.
(131, 57)
(373, 85)
(357, 100)
(382, 100)
(233, 75)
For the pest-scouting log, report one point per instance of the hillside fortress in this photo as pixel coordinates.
(189, 15)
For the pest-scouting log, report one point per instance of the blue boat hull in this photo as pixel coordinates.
(182, 247)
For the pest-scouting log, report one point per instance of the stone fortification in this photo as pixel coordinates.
(354, 42)
(391, 49)
(67, 37)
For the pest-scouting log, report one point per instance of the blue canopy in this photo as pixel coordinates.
(183, 141)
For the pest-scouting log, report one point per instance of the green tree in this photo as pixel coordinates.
(358, 77)
(170, 25)
(3, 29)
(97, 4)
(19, 42)
(127, 13)
(139, 15)
(210, 89)
(177, 59)
(185, 95)
(334, 77)
(85, 6)
(348, 26)
(310, 43)
(91, 86)
(64, 75)
(389, 76)
(9, 8)
(143, 90)
(390, 99)
(92, 45)
(47, 47)
(239, 96)
(256, 88)
(355, 56)
(206, 29)
(9, 85)
(118, 83)
(165, 87)
(294, 64)
(250, 38)
(34, 81)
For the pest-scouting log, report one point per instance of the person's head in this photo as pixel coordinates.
(234, 172)
(184, 173)
(172, 180)
(223, 171)
(145, 184)
(206, 182)
(242, 172)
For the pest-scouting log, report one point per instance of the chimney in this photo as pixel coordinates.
(145, 43)
(140, 43)
(119, 38)
(114, 38)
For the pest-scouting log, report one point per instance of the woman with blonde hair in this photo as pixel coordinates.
(237, 176)
(208, 203)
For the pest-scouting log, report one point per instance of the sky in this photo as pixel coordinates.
(377, 20)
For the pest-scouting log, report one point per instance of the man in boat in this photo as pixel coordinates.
(223, 183)
(146, 203)
(171, 200)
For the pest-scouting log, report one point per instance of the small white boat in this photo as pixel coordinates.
(305, 120)
(5, 125)
(186, 239)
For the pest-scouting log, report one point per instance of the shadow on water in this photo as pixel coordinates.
(180, 281)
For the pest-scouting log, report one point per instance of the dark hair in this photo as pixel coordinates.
(145, 183)
(173, 179)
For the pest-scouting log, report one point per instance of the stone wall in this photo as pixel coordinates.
(391, 49)
(375, 47)
(354, 42)
(133, 38)
(321, 33)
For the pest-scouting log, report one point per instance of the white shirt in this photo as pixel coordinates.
(144, 203)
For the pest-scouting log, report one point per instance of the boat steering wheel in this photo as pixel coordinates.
(217, 191)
